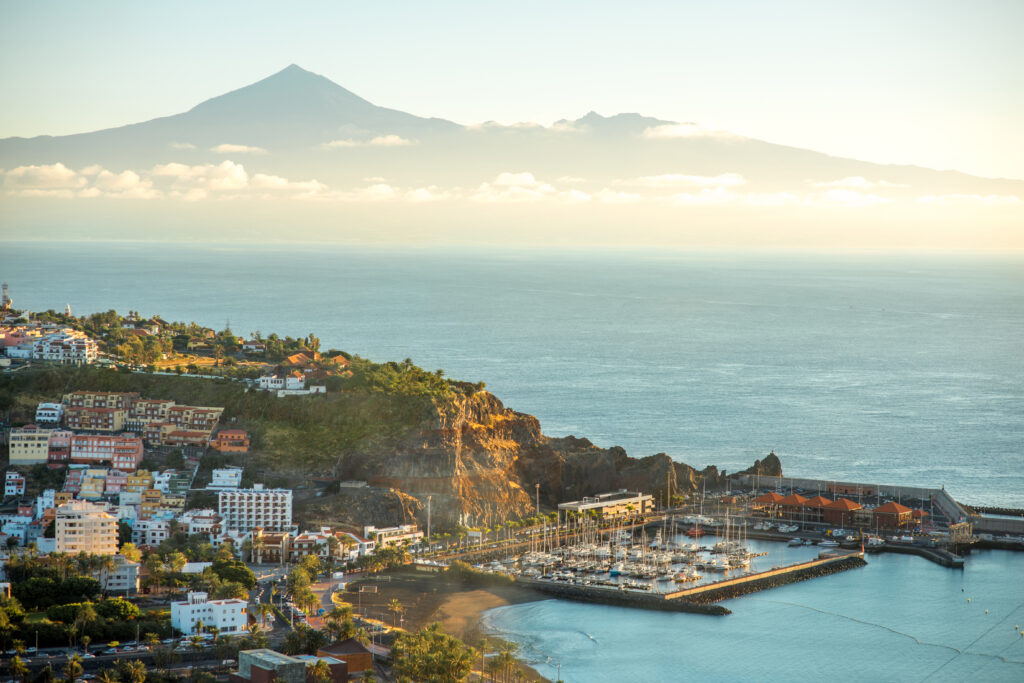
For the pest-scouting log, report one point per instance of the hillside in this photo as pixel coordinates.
(478, 460)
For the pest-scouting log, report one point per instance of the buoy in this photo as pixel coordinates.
(986, 611)
(968, 599)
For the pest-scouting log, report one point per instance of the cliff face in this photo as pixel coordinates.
(480, 462)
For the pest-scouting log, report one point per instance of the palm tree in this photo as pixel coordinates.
(73, 668)
(85, 644)
(107, 676)
(320, 672)
(17, 668)
(396, 608)
(132, 671)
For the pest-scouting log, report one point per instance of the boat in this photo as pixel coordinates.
(793, 542)
(828, 543)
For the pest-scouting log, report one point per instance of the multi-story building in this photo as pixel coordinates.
(50, 413)
(173, 482)
(205, 522)
(73, 480)
(29, 445)
(84, 527)
(139, 481)
(244, 509)
(60, 446)
(312, 543)
(150, 532)
(193, 417)
(121, 451)
(180, 438)
(45, 501)
(356, 545)
(271, 546)
(615, 504)
(86, 419)
(101, 399)
(68, 347)
(231, 441)
(148, 410)
(406, 534)
(226, 478)
(293, 381)
(149, 503)
(228, 616)
(94, 481)
(14, 484)
(123, 578)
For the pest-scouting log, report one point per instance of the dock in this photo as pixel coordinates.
(701, 599)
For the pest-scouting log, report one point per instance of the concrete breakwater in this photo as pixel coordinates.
(733, 588)
(613, 596)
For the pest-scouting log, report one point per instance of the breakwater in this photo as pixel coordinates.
(613, 596)
(772, 578)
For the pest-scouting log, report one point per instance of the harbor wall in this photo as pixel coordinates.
(997, 525)
(612, 596)
(749, 583)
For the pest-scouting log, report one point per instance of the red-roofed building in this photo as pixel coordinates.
(231, 441)
(892, 515)
(840, 512)
(814, 508)
(768, 503)
(792, 506)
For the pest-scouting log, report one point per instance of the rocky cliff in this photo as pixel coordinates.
(480, 463)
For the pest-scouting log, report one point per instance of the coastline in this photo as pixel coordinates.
(457, 606)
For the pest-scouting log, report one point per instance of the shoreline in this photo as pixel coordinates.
(456, 605)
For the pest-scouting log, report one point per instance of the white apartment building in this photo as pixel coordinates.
(357, 548)
(84, 527)
(293, 381)
(394, 535)
(29, 445)
(50, 412)
(44, 501)
(14, 484)
(269, 509)
(204, 521)
(226, 478)
(66, 347)
(150, 532)
(124, 578)
(230, 616)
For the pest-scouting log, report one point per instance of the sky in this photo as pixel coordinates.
(934, 83)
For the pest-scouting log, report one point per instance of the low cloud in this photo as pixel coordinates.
(676, 131)
(237, 149)
(843, 198)
(514, 187)
(46, 177)
(379, 141)
(181, 145)
(856, 183)
(975, 199)
(676, 180)
(607, 196)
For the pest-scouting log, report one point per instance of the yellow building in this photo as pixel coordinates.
(139, 482)
(151, 499)
(94, 481)
(29, 445)
(615, 504)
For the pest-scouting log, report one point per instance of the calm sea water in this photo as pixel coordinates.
(892, 369)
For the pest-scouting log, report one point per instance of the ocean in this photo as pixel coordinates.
(881, 368)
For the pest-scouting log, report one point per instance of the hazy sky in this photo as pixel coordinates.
(940, 84)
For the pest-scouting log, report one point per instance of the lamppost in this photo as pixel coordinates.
(428, 519)
(538, 499)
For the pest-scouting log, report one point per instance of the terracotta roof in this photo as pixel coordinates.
(818, 502)
(893, 508)
(793, 499)
(844, 504)
(770, 497)
(917, 514)
(345, 647)
(340, 360)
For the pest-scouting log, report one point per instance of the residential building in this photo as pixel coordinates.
(194, 418)
(293, 381)
(174, 483)
(244, 509)
(254, 346)
(84, 527)
(312, 543)
(67, 347)
(180, 438)
(29, 445)
(139, 481)
(121, 451)
(14, 484)
(226, 478)
(51, 413)
(94, 481)
(229, 616)
(352, 652)
(116, 480)
(44, 501)
(73, 480)
(201, 522)
(406, 534)
(149, 503)
(231, 441)
(357, 545)
(122, 578)
(615, 504)
(270, 546)
(60, 447)
(150, 532)
(101, 399)
(146, 411)
(86, 419)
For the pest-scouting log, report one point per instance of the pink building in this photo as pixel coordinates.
(121, 451)
(60, 446)
(116, 481)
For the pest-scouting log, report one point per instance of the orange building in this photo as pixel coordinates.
(792, 506)
(892, 515)
(814, 509)
(840, 512)
(231, 441)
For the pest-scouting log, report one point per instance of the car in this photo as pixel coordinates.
(110, 651)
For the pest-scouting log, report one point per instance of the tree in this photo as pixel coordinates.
(131, 552)
(107, 675)
(85, 643)
(430, 656)
(320, 672)
(73, 668)
(17, 668)
(396, 608)
(131, 671)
